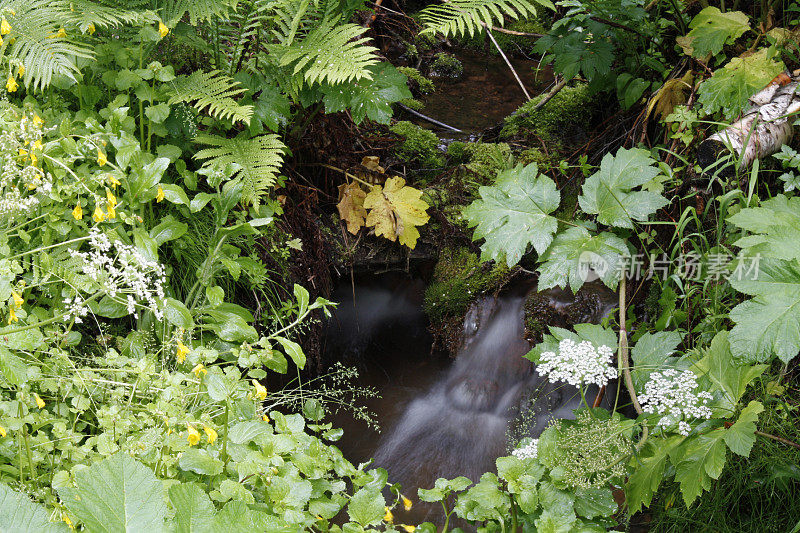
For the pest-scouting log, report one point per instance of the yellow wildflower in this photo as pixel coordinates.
(388, 517)
(114, 181)
(162, 29)
(77, 213)
(212, 435)
(12, 316)
(265, 418)
(37, 120)
(199, 370)
(406, 503)
(194, 436)
(21, 70)
(23, 152)
(3, 431)
(34, 159)
(5, 27)
(98, 215)
(110, 212)
(3, 42)
(410, 529)
(90, 29)
(112, 203)
(101, 157)
(65, 518)
(18, 300)
(183, 350)
(261, 390)
(61, 33)
(37, 144)
(39, 401)
(11, 84)
(159, 194)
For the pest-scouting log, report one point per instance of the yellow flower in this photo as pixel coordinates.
(159, 194)
(37, 144)
(39, 401)
(162, 29)
(183, 350)
(199, 370)
(261, 390)
(410, 529)
(406, 503)
(98, 215)
(265, 418)
(37, 120)
(61, 33)
(34, 160)
(21, 70)
(111, 212)
(388, 517)
(23, 152)
(3, 431)
(112, 200)
(101, 157)
(18, 300)
(11, 84)
(5, 27)
(114, 181)
(12, 316)
(65, 518)
(212, 435)
(77, 213)
(90, 29)
(194, 436)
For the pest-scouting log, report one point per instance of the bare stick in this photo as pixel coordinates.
(431, 120)
(514, 72)
(554, 91)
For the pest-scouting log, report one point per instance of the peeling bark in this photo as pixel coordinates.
(763, 129)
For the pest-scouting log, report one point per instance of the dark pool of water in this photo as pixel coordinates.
(483, 96)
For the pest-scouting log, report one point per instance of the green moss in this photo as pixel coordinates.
(446, 66)
(570, 106)
(487, 159)
(420, 145)
(419, 82)
(459, 278)
(412, 103)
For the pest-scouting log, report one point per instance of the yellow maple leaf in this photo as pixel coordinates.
(396, 211)
(351, 206)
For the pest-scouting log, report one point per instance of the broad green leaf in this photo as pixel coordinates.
(177, 314)
(20, 515)
(740, 437)
(765, 326)
(651, 352)
(194, 512)
(575, 254)
(294, 351)
(174, 194)
(608, 193)
(13, 369)
(711, 30)
(702, 460)
(648, 473)
(730, 86)
(200, 462)
(591, 503)
(484, 500)
(169, 229)
(248, 430)
(719, 366)
(515, 213)
(115, 495)
(367, 506)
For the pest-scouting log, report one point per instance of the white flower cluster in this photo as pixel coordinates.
(122, 271)
(76, 309)
(529, 451)
(578, 364)
(672, 394)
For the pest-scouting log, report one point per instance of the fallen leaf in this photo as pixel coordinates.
(351, 206)
(396, 211)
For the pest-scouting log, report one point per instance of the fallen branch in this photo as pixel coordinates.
(429, 119)
(514, 72)
(550, 94)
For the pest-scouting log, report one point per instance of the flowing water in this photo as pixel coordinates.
(442, 418)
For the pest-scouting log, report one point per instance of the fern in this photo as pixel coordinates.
(86, 14)
(332, 53)
(212, 92)
(172, 11)
(462, 17)
(254, 161)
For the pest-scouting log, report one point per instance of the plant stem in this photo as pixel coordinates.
(624, 363)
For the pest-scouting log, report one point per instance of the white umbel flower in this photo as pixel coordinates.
(672, 394)
(529, 451)
(578, 364)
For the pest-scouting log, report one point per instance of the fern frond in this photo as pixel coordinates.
(466, 17)
(212, 92)
(255, 161)
(88, 13)
(332, 53)
(34, 42)
(173, 11)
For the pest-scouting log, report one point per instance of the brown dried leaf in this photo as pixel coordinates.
(351, 206)
(672, 93)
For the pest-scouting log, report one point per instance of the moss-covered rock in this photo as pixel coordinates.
(570, 106)
(446, 66)
(418, 82)
(487, 159)
(420, 146)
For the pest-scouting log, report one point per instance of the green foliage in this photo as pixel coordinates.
(608, 193)
(566, 108)
(465, 17)
(213, 92)
(419, 145)
(424, 85)
(370, 99)
(712, 29)
(447, 66)
(730, 86)
(515, 213)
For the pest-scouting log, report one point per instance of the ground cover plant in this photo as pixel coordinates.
(162, 276)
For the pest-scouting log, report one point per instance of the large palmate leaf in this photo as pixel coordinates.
(20, 515)
(194, 512)
(740, 437)
(117, 494)
(648, 473)
(395, 211)
(515, 213)
(652, 352)
(730, 87)
(767, 325)
(711, 29)
(608, 193)
(369, 98)
(575, 254)
(702, 461)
